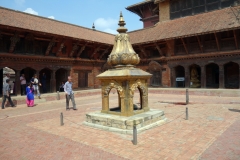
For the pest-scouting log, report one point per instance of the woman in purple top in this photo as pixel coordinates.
(30, 95)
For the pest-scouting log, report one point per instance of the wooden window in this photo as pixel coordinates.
(182, 8)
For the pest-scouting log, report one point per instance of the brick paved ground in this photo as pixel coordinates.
(212, 131)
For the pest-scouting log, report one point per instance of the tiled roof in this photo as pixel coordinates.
(36, 23)
(139, 4)
(214, 21)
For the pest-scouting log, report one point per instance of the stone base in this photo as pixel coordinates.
(124, 125)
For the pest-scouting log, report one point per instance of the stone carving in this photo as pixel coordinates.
(113, 85)
(195, 83)
(139, 85)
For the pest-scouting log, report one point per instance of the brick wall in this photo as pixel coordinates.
(164, 11)
(166, 81)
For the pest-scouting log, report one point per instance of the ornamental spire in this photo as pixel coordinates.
(121, 23)
(122, 54)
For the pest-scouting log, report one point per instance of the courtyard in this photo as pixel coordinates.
(211, 132)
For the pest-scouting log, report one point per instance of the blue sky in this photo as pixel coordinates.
(104, 13)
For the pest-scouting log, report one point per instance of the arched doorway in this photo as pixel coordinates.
(231, 75)
(45, 77)
(28, 72)
(61, 76)
(114, 105)
(10, 74)
(179, 77)
(195, 76)
(212, 75)
(137, 101)
(156, 71)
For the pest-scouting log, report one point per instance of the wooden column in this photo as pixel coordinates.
(187, 77)
(94, 77)
(17, 84)
(53, 81)
(173, 77)
(221, 76)
(239, 75)
(203, 77)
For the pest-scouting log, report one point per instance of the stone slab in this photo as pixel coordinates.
(124, 125)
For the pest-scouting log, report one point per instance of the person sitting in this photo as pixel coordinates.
(61, 87)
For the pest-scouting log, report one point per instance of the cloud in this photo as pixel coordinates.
(105, 23)
(31, 11)
(19, 2)
(51, 17)
(112, 31)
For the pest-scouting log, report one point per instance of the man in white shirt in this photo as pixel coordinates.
(36, 85)
(23, 84)
(69, 93)
(7, 76)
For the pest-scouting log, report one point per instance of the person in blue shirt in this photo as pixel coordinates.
(69, 93)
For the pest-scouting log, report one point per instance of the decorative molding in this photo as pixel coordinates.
(113, 85)
(139, 85)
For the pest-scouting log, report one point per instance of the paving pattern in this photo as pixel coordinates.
(212, 131)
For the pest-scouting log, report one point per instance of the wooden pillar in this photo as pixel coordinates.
(239, 75)
(173, 77)
(187, 77)
(221, 76)
(17, 84)
(53, 81)
(203, 77)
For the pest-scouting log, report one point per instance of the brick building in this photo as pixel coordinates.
(181, 38)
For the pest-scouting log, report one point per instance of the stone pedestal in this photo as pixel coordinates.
(124, 125)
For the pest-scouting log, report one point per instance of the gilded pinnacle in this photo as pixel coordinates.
(122, 54)
(121, 23)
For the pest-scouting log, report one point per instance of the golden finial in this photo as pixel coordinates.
(122, 54)
(121, 23)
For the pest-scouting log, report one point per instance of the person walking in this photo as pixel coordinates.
(36, 85)
(6, 94)
(23, 84)
(69, 93)
(43, 82)
(30, 95)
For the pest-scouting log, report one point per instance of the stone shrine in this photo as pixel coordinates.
(125, 78)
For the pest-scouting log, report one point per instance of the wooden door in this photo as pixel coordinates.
(82, 79)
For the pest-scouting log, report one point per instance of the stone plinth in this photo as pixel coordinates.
(124, 125)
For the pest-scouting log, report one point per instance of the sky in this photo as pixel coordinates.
(103, 13)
